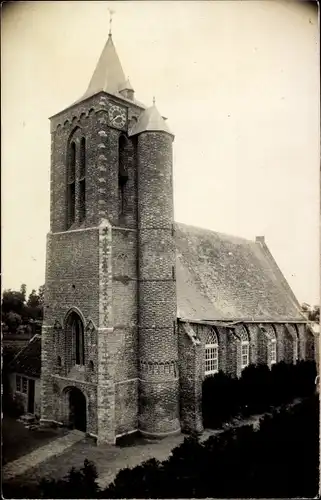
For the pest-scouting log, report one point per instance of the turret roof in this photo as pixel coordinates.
(150, 120)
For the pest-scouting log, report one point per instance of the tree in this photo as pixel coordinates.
(13, 321)
(15, 309)
(33, 300)
(12, 301)
(311, 312)
(314, 314)
(23, 291)
(41, 293)
(34, 306)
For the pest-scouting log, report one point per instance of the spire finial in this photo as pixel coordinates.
(154, 101)
(111, 12)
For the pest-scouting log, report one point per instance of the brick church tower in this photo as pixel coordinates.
(109, 340)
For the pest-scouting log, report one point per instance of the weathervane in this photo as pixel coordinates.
(154, 100)
(111, 12)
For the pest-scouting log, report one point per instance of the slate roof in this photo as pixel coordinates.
(28, 360)
(150, 120)
(109, 76)
(222, 277)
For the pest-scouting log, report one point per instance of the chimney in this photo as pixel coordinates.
(260, 239)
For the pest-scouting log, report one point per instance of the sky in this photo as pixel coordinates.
(239, 84)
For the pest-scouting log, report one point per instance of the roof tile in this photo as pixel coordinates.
(221, 277)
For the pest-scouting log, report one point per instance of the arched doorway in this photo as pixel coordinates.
(77, 410)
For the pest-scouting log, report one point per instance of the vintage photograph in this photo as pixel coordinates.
(160, 249)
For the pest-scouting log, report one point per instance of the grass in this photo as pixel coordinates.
(18, 441)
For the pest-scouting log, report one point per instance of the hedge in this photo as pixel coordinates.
(280, 460)
(256, 391)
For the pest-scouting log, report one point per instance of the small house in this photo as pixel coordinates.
(24, 377)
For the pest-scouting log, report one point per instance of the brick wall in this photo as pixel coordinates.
(116, 269)
(124, 310)
(192, 338)
(280, 345)
(254, 334)
(191, 370)
(92, 270)
(264, 345)
(311, 342)
(290, 344)
(126, 405)
(72, 275)
(89, 119)
(233, 355)
(301, 332)
(158, 391)
(22, 398)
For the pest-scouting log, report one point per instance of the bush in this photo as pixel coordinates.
(282, 382)
(143, 481)
(220, 399)
(255, 391)
(78, 484)
(280, 460)
(304, 378)
(12, 407)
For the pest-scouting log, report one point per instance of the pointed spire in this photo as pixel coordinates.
(108, 75)
(150, 121)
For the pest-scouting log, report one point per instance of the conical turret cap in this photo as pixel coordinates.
(150, 121)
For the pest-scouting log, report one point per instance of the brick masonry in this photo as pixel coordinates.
(116, 270)
(192, 338)
(126, 309)
(158, 388)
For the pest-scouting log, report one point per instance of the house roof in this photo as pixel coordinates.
(28, 360)
(222, 277)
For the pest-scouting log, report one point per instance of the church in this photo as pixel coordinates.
(140, 309)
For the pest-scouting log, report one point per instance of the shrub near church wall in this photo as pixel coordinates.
(192, 361)
(256, 391)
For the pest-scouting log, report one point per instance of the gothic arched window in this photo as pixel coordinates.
(82, 180)
(122, 172)
(211, 352)
(76, 329)
(71, 184)
(245, 348)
